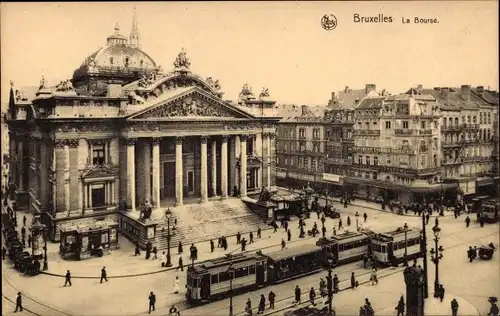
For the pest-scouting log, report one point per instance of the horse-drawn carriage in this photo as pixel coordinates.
(486, 252)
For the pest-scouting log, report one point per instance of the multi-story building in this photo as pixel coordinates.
(467, 135)
(300, 145)
(122, 134)
(396, 146)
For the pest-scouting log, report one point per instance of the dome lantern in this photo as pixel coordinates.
(117, 38)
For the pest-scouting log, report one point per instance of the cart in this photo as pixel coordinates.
(486, 252)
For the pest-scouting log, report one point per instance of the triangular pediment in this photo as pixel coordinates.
(193, 103)
(99, 171)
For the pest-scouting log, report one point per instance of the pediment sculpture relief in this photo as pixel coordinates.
(188, 107)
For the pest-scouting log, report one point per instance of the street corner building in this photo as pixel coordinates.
(122, 133)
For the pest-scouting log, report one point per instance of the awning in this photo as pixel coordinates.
(485, 181)
(332, 178)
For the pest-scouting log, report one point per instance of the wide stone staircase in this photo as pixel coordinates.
(210, 220)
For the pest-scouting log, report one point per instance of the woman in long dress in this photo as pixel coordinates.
(176, 285)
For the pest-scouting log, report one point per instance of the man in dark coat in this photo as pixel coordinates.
(19, 302)
(271, 298)
(401, 307)
(323, 230)
(297, 294)
(312, 296)
(259, 233)
(470, 254)
(289, 234)
(336, 283)
(353, 281)
(179, 248)
(181, 264)
(152, 301)
(454, 307)
(365, 216)
(250, 236)
(68, 278)
(238, 238)
(211, 245)
(262, 304)
(467, 221)
(104, 275)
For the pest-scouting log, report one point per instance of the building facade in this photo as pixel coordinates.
(300, 146)
(122, 133)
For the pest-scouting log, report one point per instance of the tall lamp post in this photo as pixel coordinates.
(38, 229)
(423, 249)
(357, 220)
(436, 256)
(230, 270)
(405, 229)
(329, 283)
(168, 215)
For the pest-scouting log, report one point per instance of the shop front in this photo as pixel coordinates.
(87, 241)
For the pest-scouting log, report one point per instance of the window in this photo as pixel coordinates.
(142, 62)
(224, 276)
(368, 160)
(302, 133)
(286, 146)
(286, 160)
(360, 160)
(313, 164)
(489, 118)
(291, 161)
(474, 119)
(252, 270)
(302, 146)
(375, 161)
(468, 119)
(316, 133)
(422, 124)
(405, 124)
(241, 272)
(126, 61)
(250, 144)
(286, 133)
(327, 133)
(387, 124)
(300, 162)
(111, 60)
(306, 164)
(98, 195)
(456, 121)
(98, 154)
(214, 278)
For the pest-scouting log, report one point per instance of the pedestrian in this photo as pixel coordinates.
(334, 231)
(24, 241)
(373, 277)
(312, 296)
(19, 302)
(211, 245)
(148, 253)
(336, 283)
(137, 250)
(250, 236)
(238, 238)
(155, 252)
(283, 244)
(368, 308)
(362, 311)
(68, 278)
(271, 298)
(176, 285)
(289, 235)
(401, 306)
(4, 253)
(104, 274)
(174, 311)
(248, 307)
(179, 248)
(353, 281)
(224, 243)
(262, 304)
(29, 241)
(454, 307)
(192, 251)
(470, 254)
(163, 259)
(467, 221)
(481, 221)
(365, 216)
(286, 225)
(348, 221)
(259, 233)
(323, 219)
(297, 294)
(152, 301)
(427, 218)
(441, 292)
(436, 221)
(494, 308)
(340, 224)
(181, 264)
(219, 242)
(24, 220)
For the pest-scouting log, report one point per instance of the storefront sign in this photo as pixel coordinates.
(104, 238)
(113, 234)
(151, 232)
(332, 177)
(301, 176)
(85, 243)
(469, 187)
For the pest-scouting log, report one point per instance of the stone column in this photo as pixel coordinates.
(214, 167)
(85, 196)
(268, 139)
(130, 174)
(223, 166)
(80, 195)
(243, 165)
(204, 167)
(66, 177)
(232, 164)
(20, 164)
(156, 172)
(146, 164)
(179, 183)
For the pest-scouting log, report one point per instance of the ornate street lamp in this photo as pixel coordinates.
(357, 221)
(39, 230)
(405, 229)
(230, 270)
(308, 191)
(168, 215)
(423, 248)
(436, 256)
(329, 284)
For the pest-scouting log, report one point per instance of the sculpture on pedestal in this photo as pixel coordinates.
(414, 278)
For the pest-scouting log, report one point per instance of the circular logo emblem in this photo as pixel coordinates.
(329, 22)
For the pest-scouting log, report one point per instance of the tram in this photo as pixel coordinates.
(346, 247)
(490, 210)
(391, 247)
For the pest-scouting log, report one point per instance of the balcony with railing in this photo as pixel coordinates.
(449, 128)
(468, 141)
(337, 161)
(450, 144)
(449, 162)
(425, 132)
(469, 126)
(404, 131)
(366, 150)
(366, 132)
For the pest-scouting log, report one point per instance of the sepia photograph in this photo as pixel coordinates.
(284, 158)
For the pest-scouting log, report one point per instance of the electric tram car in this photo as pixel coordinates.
(490, 210)
(212, 279)
(390, 247)
(346, 247)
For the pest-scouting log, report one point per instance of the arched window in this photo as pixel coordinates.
(126, 61)
(111, 60)
(142, 62)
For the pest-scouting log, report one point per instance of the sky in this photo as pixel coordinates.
(278, 45)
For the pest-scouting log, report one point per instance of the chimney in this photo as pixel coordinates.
(369, 87)
(419, 87)
(480, 89)
(444, 92)
(465, 92)
(304, 110)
